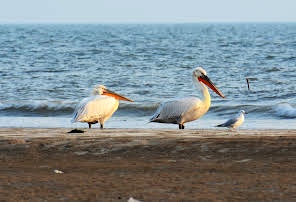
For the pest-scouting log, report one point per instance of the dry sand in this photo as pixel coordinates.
(148, 165)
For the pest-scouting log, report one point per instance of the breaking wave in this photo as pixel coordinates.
(65, 108)
(37, 108)
(285, 110)
(45, 108)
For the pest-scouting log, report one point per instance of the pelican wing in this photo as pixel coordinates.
(94, 108)
(172, 111)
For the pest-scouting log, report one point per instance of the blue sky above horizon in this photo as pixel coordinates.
(146, 11)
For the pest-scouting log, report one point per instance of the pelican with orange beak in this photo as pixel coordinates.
(99, 107)
(180, 111)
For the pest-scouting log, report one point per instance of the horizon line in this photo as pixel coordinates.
(145, 22)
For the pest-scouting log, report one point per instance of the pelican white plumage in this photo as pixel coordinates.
(180, 111)
(235, 121)
(99, 107)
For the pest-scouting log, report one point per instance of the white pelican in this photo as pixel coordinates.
(98, 107)
(180, 111)
(235, 121)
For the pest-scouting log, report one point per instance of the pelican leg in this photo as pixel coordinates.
(89, 125)
(181, 126)
(102, 126)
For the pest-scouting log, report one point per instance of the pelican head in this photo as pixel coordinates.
(200, 75)
(199, 71)
(99, 90)
(102, 90)
(243, 112)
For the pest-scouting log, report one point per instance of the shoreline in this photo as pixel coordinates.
(148, 165)
(127, 122)
(215, 132)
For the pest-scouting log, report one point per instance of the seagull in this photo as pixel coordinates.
(99, 107)
(235, 121)
(180, 111)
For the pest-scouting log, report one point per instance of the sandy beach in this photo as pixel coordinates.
(148, 165)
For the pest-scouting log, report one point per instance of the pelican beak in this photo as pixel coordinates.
(115, 95)
(206, 80)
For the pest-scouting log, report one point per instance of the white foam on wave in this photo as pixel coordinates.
(285, 110)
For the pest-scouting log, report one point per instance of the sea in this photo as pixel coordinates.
(47, 69)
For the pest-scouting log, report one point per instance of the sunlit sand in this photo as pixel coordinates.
(148, 165)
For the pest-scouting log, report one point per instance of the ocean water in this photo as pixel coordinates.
(47, 69)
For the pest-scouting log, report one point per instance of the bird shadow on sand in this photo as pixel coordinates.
(76, 131)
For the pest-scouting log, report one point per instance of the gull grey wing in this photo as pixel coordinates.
(228, 123)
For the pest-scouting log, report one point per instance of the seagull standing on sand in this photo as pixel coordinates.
(235, 121)
(180, 111)
(99, 107)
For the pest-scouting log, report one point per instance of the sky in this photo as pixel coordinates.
(146, 11)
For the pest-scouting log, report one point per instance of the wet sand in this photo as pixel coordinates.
(148, 165)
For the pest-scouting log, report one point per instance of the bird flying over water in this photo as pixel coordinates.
(99, 107)
(180, 111)
(235, 121)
